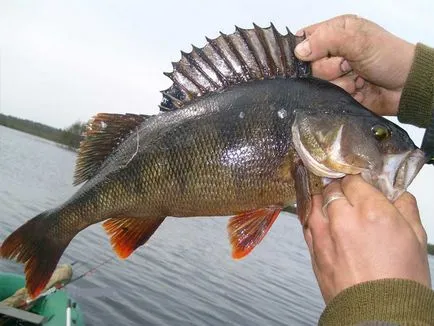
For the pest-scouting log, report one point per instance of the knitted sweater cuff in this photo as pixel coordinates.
(416, 103)
(395, 301)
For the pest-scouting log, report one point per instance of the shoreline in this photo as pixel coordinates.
(67, 138)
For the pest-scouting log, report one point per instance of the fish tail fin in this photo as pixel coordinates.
(40, 251)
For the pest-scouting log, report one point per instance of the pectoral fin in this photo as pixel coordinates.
(247, 229)
(302, 191)
(306, 185)
(129, 233)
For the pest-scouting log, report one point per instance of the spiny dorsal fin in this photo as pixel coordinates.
(246, 55)
(104, 133)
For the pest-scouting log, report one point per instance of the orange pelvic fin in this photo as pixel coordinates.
(248, 229)
(129, 233)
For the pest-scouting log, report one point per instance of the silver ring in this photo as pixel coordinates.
(330, 199)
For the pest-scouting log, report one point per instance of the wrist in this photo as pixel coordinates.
(407, 53)
(397, 300)
(416, 101)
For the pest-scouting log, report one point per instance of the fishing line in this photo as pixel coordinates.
(90, 271)
(56, 287)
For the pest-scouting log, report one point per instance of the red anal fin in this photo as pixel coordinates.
(248, 229)
(129, 233)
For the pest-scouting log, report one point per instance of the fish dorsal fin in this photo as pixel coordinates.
(246, 55)
(103, 134)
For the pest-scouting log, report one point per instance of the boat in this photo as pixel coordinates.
(54, 307)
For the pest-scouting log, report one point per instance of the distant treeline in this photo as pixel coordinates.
(430, 249)
(70, 137)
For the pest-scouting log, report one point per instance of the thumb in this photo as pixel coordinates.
(330, 38)
(407, 206)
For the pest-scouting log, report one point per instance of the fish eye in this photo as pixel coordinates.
(381, 132)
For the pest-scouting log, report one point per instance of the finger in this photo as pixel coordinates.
(347, 82)
(358, 96)
(360, 83)
(353, 84)
(358, 191)
(318, 223)
(309, 241)
(334, 190)
(407, 206)
(380, 100)
(338, 209)
(322, 250)
(329, 38)
(330, 68)
(338, 21)
(308, 238)
(309, 30)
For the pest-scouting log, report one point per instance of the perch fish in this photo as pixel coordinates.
(244, 131)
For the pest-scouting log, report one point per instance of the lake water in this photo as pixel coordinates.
(184, 275)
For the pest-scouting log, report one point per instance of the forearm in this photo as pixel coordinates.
(396, 301)
(417, 99)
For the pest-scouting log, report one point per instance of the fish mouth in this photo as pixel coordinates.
(409, 168)
(398, 172)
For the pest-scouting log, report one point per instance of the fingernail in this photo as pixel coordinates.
(345, 66)
(360, 82)
(303, 49)
(300, 33)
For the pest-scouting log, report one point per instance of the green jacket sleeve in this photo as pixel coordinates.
(381, 302)
(417, 98)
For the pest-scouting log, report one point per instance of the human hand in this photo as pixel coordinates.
(361, 57)
(364, 237)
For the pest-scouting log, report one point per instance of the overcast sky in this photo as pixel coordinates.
(63, 61)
